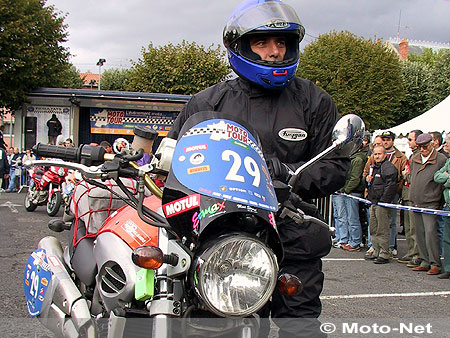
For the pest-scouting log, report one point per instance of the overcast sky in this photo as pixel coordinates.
(116, 30)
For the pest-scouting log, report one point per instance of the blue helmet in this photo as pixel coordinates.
(271, 17)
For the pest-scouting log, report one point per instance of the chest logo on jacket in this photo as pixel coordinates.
(292, 134)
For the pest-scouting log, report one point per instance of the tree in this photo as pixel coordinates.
(440, 78)
(31, 54)
(417, 80)
(115, 79)
(70, 78)
(362, 76)
(182, 69)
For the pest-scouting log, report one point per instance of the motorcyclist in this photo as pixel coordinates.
(294, 120)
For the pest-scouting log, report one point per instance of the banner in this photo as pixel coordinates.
(122, 121)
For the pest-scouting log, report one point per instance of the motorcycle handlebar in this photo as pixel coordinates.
(91, 154)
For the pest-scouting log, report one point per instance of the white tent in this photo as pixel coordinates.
(435, 119)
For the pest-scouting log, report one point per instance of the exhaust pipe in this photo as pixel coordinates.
(63, 294)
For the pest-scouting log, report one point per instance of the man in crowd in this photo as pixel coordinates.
(267, 95)
(14, 170)
(347, 207)
(377, 141)
(107, 146)
(411, 258)
(382, 186)
(426, 193)
(54, 129)
(68, 143)
(437, 142)
(3, 144)
(4, 167)
(398, 159)
(442, 176)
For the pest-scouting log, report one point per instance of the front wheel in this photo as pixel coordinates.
(54, 203)
(28, 202)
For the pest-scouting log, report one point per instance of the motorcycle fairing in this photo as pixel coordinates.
(215, 213)
(37, 278)
(220, 158)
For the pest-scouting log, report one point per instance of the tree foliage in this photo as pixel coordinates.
(440, 78)
(363, 76)
(182, 69)
(31, 54)
(416, 78)
(115, 79)
(69, 78)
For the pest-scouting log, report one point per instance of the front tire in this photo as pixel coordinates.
(28, 202)
(54, 203)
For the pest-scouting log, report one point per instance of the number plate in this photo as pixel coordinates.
(37, 278)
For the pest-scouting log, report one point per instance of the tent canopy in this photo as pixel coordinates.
(435, 119)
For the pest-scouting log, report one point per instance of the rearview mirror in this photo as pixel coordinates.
(347, 136)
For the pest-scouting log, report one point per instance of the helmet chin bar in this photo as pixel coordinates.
(264, 74)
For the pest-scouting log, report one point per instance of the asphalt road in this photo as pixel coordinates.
(359, 297)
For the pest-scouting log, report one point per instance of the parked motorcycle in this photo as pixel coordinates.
(206, 247)
(46, 189)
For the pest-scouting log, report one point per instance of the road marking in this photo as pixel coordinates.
(343, 259)
(384, 295)
(11, 206)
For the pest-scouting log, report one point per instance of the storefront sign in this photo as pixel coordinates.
(122, 122)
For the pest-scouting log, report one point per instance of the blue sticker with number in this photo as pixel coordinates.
(221, 159)
(37, 278)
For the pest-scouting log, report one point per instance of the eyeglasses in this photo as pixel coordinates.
(410, 140)
(424, 146)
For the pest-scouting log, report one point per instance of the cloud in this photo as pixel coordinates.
(117, 30)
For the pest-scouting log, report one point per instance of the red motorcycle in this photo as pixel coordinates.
(46, 189)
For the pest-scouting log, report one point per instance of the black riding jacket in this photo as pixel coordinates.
(293, 124)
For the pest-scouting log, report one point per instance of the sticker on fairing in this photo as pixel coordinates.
(228, 164)
(37, 278)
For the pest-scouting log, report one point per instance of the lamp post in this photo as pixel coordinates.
(100, 64)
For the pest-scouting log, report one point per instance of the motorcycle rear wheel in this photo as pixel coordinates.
(28, 202)
(54, 203)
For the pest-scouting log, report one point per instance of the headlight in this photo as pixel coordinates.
(236, 276)
(61, 172)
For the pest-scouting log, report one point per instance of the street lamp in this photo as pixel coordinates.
(100, 64)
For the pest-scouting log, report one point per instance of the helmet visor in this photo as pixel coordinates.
(268, 16)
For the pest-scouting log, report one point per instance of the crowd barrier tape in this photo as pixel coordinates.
(401, 207)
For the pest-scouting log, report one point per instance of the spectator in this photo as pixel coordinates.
(382, 185)
(107, 146)
(437, 142)
(4, 167)
(411, 258)
(398, 159)
(442, 176)
(28, 156)
(426, 193)
(354, 186)
(377, 141)
(68, 143)
(54, 129)
(3, 144)
(14, 170)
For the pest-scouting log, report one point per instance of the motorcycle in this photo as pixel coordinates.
(46, 189)
(205, 247)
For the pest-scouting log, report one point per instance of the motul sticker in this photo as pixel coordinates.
(196, 148)
(181, 205)
(292, 134)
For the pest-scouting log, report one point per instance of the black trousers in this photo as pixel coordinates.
(304, 245)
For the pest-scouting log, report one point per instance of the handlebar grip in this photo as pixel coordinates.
(63, 153)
